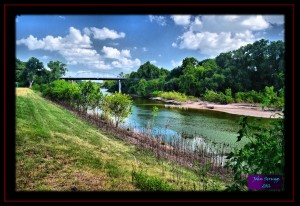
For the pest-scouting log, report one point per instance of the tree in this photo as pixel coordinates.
(270, 97)
(20, 77)
(57, 69)
(189, 61)
(141, 88)
(88, 88)
(76, 97)
(118, 105)
(94, 98)
(264, 154)
(33, 69)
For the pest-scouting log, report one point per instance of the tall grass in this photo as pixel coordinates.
(149, 183)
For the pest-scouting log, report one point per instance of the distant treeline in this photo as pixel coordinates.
(246, 74)
(34, 72)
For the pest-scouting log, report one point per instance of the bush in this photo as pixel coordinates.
(173, 96)
(263, 154)
(228, 96)
(250, 97)
(213, 96)
(155, 93)
(36, 87)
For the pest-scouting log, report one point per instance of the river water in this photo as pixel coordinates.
(190, 123)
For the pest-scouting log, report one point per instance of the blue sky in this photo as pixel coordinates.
(105, 45)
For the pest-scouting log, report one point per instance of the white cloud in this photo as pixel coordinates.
(114, 53)
(176, 64)
(214, 43)
(145, 49)
(62, 17)
(233, 23)
(87, 31)
(182, 20)
(74, 47)
(126, 63)
(153, 62)
(275, 19)
(161, 20)
(231, 18)
(103, 33)
(123, 58)
(197, 24)
(32, 43)
(256, 23)
(91, 73)
(45, 57)
(75, 38)
(83, 72)
(212, 34)
(159, 55)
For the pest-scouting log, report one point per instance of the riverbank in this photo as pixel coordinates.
(58, 151)
(246, 109)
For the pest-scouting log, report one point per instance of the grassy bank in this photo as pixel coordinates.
(55, 151)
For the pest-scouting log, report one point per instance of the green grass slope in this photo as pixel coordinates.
(55, 151)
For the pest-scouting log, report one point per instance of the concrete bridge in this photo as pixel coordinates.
(96, 78)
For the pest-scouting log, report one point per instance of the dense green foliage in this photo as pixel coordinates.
(247, 71)
(218, 96)
(250, 96)
(33, 71)
(117, 105)
(264, 154)
(171, 95)
(267, 98)
(85, 96)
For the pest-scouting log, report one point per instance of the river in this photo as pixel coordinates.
(191, 123)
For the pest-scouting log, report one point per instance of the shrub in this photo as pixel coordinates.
(173, 96)
(156, 93)
(213, 96)
(36, 87)
(264, 154)
(228, 96)
(250, 97)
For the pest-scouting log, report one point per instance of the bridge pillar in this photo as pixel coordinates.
(119, 86)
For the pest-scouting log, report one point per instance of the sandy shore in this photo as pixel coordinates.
(234, 108)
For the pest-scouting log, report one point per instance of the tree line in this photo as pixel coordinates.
(34, 72)
(248, 74)
(83, 96)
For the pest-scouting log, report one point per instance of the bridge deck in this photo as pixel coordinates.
(93, 78)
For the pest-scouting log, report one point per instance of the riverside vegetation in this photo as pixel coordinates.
(176, 167)
(58, 141)
(253, 73)
(56, 151)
